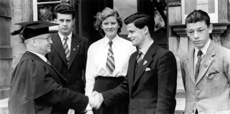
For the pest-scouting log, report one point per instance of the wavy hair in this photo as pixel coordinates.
(141, 20)
(101, 16)
(196, 16)
(64, 8)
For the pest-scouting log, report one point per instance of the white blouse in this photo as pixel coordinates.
(97, 56)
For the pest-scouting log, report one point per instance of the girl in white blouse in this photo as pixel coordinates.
(98, 76)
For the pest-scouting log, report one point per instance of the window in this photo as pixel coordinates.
(43, 9)
(210, 6)
(125, 8)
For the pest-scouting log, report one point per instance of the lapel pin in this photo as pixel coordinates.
(145, 62)
(74, 49)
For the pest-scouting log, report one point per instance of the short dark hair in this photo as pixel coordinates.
(140, 20)
(196, 16)
(64, 8)
(101, 16)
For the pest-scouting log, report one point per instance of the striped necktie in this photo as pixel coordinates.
(66, 48)
(139, 58)
(139, 61)
(110, 63)
(199, 54)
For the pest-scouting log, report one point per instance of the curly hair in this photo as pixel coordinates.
(64, 8)
(101, 16)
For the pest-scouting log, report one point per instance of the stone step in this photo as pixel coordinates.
(179, 107)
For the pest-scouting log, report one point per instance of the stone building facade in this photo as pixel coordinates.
(13, 11)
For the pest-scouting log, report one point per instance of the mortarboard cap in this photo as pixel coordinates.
(34, 28)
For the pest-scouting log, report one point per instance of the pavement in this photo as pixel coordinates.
(179, 107)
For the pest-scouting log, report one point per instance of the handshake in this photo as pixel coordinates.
(95, 100)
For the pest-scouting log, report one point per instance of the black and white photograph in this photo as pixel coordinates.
(114, 56)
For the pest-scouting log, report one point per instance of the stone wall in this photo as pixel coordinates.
(5, 47)
(180, 44)
(21, 10)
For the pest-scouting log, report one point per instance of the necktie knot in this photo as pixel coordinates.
(65, 39)
(199, 53)
(139, 54)
(110, 43)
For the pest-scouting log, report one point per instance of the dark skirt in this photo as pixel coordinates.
(107, 83)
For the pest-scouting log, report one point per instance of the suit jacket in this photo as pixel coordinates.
(211, 92)
(154, 87)
(38, 88)
(74, 71)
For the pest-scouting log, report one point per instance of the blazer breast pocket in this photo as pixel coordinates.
(149, 71)
(213, 74)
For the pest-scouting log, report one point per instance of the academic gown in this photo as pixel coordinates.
(37, 88)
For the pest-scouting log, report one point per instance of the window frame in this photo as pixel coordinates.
(35, 7)
(213, 16)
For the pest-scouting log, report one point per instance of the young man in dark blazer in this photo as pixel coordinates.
(152, 75)
(68, 52)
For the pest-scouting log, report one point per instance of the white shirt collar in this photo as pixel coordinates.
(204, 49)
(62, 36)
(146, 47)
(69, 40)
(115, 40)
(39, 55)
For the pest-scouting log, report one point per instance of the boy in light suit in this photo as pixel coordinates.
(205, 69)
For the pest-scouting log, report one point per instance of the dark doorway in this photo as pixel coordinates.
(86, 10)
(158, 10)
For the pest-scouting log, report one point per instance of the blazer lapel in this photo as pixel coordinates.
(57, 44)
(75, 45)
(61, 77)
(190, 65)
(207, 61)
(148, 58)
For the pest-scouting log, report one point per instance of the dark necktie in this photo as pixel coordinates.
(110, 63)
(66, 48)
(138, 63)
(139, 58)
(199, 54)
